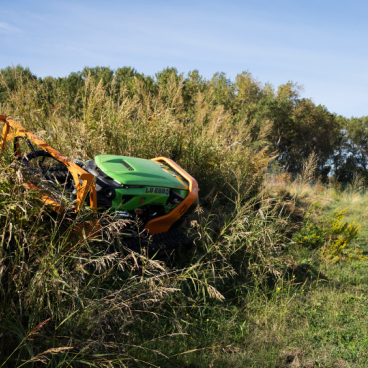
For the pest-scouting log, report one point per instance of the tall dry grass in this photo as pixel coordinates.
(70, 302)
(304, 186)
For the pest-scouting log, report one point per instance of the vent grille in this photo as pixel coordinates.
(127, 198)
(127, 165)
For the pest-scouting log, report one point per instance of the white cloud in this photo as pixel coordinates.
(7, 29)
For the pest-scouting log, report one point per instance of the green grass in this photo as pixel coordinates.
(308, 320)
(322, 324)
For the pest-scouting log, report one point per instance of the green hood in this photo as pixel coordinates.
(137, 171)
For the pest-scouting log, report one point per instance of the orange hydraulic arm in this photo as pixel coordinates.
(13, 131)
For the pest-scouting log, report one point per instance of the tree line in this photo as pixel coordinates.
(298, 127)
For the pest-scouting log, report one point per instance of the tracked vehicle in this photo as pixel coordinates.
(157, 194)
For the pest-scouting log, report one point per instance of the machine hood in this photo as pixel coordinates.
(138, 171)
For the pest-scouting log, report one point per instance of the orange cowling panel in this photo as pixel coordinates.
(12, 130)
(163, 223)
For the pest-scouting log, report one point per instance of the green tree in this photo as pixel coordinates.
(315, 130)
(128, 78)
(193, 84)
(352, 152)
(99, 73)
(224, 90)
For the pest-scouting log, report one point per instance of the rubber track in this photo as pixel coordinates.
(164, 242)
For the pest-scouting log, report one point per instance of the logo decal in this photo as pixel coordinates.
(142, 200)
(183, 209)
(165, 191)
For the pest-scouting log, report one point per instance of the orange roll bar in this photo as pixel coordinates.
(163, 223)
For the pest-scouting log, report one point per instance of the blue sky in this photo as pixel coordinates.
(319, 44)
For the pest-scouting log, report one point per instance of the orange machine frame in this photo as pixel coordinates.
(11, 130)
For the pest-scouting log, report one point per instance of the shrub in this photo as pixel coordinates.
(341, 235)
(311, 235)
(333, 237)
